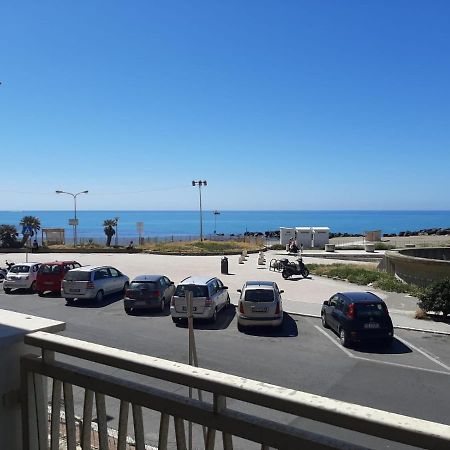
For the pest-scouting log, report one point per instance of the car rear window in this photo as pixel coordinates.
(20, 269)
(198, 291)
(49, 269)
(142, 285)
(77, 276)
(370, 310)
(259, 295)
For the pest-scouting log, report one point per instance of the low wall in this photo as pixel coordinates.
(420, 266)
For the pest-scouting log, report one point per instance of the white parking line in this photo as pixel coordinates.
(347, 352)
(431, 357)
(388, 363)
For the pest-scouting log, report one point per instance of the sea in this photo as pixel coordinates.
(186, 224)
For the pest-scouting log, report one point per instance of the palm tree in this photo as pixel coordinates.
(8, 236)
(30, 221)
(108, 228)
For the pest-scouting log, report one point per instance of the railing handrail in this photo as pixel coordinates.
(363, 419)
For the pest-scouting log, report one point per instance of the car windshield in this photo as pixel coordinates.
(77, 276)
(370, 310)
(20, 269)
(259, 295)
(50, 269)
(142, 286)
(198, 291)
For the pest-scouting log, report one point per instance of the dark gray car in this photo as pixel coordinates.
(148, 292)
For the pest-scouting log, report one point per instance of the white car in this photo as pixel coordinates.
(260, 304)
(21, 276)
(93, 282)
(209, 297)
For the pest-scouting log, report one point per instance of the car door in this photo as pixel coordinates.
(338, 312)
(222, 293)
(116, 280)
(102, 279)
(170, 288)
(330, 312)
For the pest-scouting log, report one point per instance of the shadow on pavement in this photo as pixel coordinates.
(299, 277)
(91, 303)
(396, 348)
(288, 329)
(151, 312)
(20, 292)
(224, 318)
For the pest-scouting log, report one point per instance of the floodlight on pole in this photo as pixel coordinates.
(200, 183)
(75, 223)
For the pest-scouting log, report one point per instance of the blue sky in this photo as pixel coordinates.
(278, 104)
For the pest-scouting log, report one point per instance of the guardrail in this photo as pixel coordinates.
(214, 415)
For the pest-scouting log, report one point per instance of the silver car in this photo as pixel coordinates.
(93, 282)
(209, 297)
(260, 304)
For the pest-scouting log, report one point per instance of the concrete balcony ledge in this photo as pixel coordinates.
(13, 328)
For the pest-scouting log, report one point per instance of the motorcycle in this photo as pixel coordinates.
(5, 270)
(295, 268)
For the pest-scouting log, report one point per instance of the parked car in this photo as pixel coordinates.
(21, 276)
(260, 304)
(93, 282)
(209, 297)
(148, 291)
(50, 275)
(358, 316)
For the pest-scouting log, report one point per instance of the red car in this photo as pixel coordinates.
(50, 276)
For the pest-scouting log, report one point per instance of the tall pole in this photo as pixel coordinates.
(75, 224)
(75, 237)
(200, 183)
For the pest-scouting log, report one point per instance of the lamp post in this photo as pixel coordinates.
(200, 183)
(216, 213)
(75, 222)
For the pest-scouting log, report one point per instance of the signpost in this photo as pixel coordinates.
(193, 359)
(28, 232)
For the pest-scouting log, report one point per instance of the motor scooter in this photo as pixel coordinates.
(295, 268)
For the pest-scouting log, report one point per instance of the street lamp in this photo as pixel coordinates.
(200, 183)
(116, 219)
(216, 213)
(75, 221)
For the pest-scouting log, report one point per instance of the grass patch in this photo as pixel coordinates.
(364, 276)
(204, 248)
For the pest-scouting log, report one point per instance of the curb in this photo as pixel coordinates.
(398, 327)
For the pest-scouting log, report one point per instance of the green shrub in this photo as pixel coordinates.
(277, 247)
(436, 297)
(364, 276)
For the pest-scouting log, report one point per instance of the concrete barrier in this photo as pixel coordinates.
(330, 247)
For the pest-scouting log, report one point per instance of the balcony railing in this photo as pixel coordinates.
(222, 426)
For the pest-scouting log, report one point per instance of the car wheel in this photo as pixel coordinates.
(7, 290)
(127, 309)
(388, 342)
(162, 307)
(69, 301)
(240, 327)
(343, 337)
(99, 296)
(214, 316)
(324, 321)
(174, 319)
(33, 287)
(40, 293)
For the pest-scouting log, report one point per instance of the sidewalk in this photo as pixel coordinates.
(301, 296)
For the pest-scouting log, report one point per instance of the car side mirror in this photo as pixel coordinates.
(171, 283)
(281, 292)
(224, 287)
(239, 290)
(326, 303)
